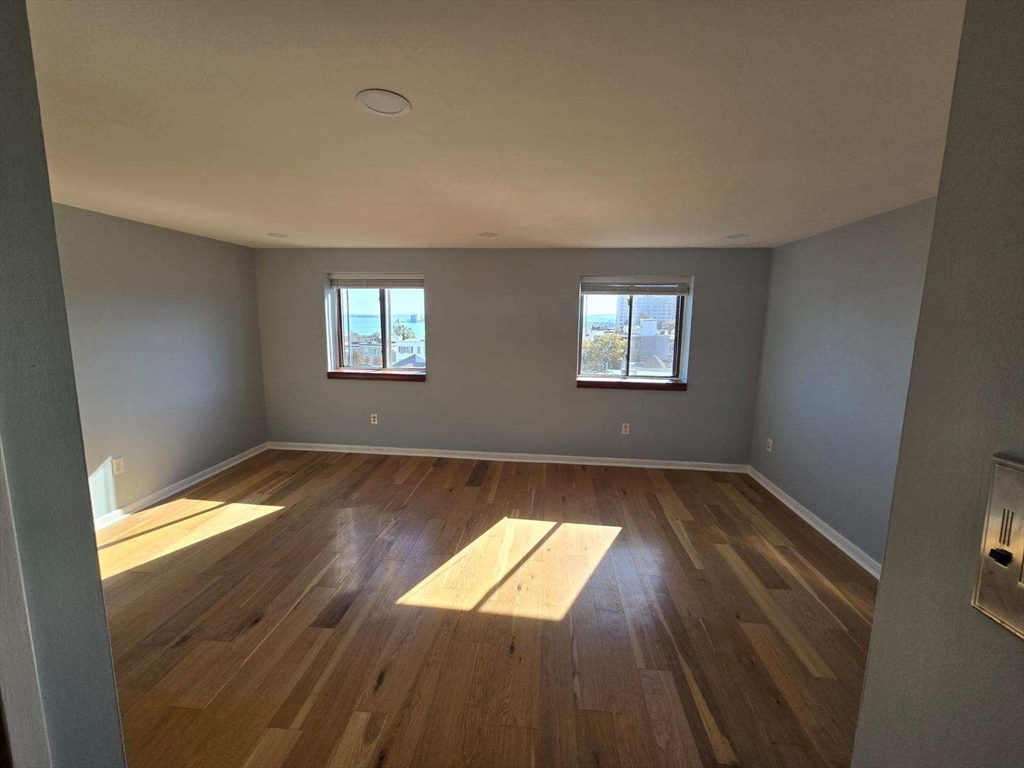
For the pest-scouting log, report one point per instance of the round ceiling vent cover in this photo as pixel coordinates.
(385, 103)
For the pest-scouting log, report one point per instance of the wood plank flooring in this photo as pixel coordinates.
(315, 609)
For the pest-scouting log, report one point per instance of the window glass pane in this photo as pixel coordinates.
(603, 335)
(360, 327)
(408, 328)
(653, 340)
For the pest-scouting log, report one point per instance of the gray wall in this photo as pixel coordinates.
(165, 337)
(501, 349)
(945, 684)
(43, 457)
(835, 366)
(19, 681)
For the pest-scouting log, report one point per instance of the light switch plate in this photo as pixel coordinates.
(999, 593)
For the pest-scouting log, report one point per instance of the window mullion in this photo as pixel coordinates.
(384, 341)
(340, 329)
(629, 335)
(677, 353)
(579, 340)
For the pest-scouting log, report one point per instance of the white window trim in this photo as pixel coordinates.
(683, 332)
(333, 321)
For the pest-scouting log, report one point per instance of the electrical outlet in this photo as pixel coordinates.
(769, 445)
(625, 427)
(118, 465)
(373, 419)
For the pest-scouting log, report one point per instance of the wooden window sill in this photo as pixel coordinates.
(665, 385)
(389, 374)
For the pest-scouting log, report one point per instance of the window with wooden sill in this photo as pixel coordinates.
(634, 333)
(376, 327)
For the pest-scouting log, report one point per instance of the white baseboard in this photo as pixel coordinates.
(536, 458)
(119, 514)
(858, 555)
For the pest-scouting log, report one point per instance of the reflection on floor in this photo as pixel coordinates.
(309, 609)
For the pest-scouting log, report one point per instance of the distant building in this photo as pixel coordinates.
(412, 361)
(405, 350)
(659, 308)
(652, 350)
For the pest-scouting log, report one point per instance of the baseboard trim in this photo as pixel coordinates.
(859, 556)
(533, 458)
(855, 553)
(119, 514)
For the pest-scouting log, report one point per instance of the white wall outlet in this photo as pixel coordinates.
(373, 419)
(769, 445)
(118, 465)
(625, 427)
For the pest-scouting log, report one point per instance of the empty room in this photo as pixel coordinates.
(449, 383)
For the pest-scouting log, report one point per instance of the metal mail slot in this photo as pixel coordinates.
(999, 592)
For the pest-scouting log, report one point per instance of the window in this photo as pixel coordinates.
(633, 333)
(376, 327)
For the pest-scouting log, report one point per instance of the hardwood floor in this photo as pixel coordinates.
(316, 609)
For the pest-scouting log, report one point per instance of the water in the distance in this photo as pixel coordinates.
(367, 325)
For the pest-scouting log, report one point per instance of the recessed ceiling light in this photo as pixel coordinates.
(384, 103)
(276, 234)
(488, 234)
(737, 236)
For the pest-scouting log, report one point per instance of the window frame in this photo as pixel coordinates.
(680, 357)
(335, 313)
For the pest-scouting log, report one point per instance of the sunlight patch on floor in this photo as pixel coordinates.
(167, 528)
(528, 568)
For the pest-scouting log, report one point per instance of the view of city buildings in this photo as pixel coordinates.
(361, 328)
(606, 333)
(659, 308)
(364, 350)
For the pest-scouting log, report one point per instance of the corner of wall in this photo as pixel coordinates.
(265, 432)
(754, 426)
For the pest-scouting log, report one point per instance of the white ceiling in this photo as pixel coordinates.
(554, 124)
